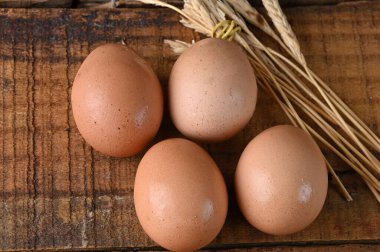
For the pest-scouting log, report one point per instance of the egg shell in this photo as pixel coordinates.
(281, 180)
(212, 90)
(180, 195)
(117, 101)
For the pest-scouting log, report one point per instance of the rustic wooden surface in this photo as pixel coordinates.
(317, 248)
(35, 3)
(131, 3)
(134, 3)
(58, 193)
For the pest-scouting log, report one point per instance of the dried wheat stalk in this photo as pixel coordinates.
(111, 4)
(283, 27)
(289, 80)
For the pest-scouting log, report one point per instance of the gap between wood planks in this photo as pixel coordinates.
(324, 245)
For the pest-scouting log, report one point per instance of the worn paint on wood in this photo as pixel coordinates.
(56, 192)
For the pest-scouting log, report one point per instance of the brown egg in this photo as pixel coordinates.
(180, 195)
(117, 101)
(281, 180)
(212, 90)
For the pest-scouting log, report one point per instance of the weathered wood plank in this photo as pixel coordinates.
(310, 248)
(286, 3)
(57, 192)
(35, 3)
(135, 3)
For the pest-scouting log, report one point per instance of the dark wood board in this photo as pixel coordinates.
(36, 3)
(57, 193)
(312, 248)
(285, 3)
(135, 3)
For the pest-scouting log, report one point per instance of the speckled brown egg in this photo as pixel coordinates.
(212, 90)
(117, 101)
(281, 180)
(180, 195)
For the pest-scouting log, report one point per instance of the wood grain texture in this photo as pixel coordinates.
(58, 193)
(286, 3)
(311, 248)
(35, 3)
(135, 3)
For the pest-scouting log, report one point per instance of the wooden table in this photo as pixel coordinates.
(57, 193)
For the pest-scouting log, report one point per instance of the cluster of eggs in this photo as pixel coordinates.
(180, 195)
